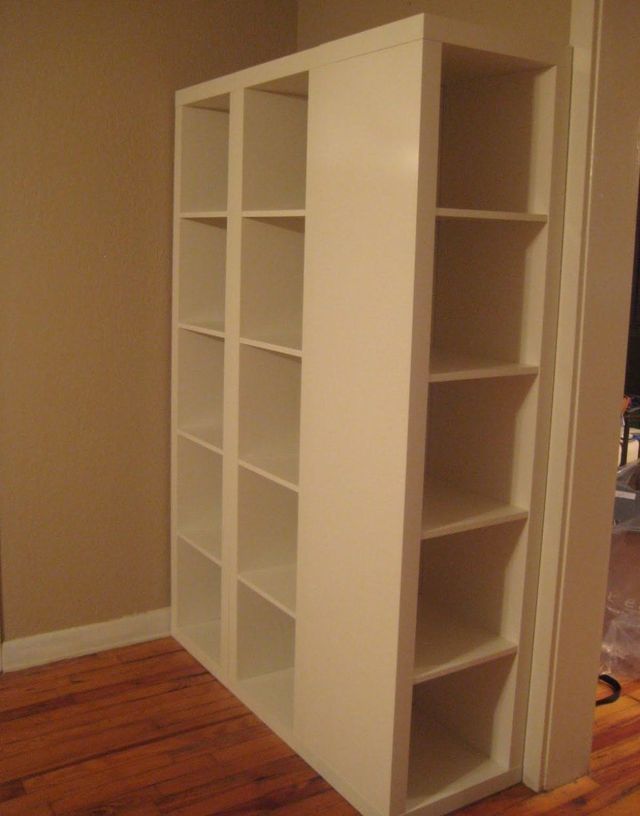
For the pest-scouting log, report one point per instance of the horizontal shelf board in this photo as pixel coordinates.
(448, 509)
(489, 215)
(205, 215)
(440, 766)
(451, 366)
(267, 473)
(209, 436)
(275, 584)
(261, 344)
(206, 542)
(203, 639)
(444, 646)
(274, 213)
(213, 328)
(272, 694)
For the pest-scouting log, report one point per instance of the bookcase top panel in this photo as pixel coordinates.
(470, 50)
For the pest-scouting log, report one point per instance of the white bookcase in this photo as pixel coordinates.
(367, 242)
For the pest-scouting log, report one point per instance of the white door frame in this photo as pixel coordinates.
(593, 324)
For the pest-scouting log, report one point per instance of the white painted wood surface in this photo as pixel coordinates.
(364, 131)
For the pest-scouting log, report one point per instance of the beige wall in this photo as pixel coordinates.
(322, 20)
(86, 93)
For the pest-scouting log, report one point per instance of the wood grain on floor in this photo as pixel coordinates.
(145, 731)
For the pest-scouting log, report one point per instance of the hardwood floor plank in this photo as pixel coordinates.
(29, 805)
(245, 792)
(230, 783)
(113, 673)
(11, 790)
(201, 742)
(327, 802)
(627, 806)
(132, 804)
(258, 755)
(196, 770)
(123, 707)
(54, 755)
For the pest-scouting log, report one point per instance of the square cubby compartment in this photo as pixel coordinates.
(270, 412)
(200, 386)
(470, 599)
(461, 732)
(267, 536)
(489, 289)
(198, 606)
(199, 497)
(496, 130)
(266, 647)
(272, 275)
(275, 145)
(480, 449)
(205, 156)
(201, 272)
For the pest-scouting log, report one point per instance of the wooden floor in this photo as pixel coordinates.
(144, 730)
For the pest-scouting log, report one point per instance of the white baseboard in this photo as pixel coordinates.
(37, 650)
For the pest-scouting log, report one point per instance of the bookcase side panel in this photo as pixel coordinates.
(359, 304)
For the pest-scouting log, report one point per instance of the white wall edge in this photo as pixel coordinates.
(38, 650)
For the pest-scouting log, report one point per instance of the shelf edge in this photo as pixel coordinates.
(215, 559)
(490, 215)
(455, 666)
(198, 440)
(243, 579)
(268, 475)
(495, 372)
(471, 523)
(196, 329)
(288, 351)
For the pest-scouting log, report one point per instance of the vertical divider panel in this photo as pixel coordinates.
(232, 385)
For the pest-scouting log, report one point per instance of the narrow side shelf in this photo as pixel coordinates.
(208, 436)
(449, 509)
(445, 645)
(449, 366)
(268, 474)
(206, 216)
(290, 352)
(275, 213)
(276, 584)
(212, 328)
(206, 542)
(489, 215)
